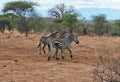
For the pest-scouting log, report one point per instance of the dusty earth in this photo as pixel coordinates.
(20, 60)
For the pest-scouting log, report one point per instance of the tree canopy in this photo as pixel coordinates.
(24, 10)
(100, 24)
(20, 8)
(59, 10)
(5, 22)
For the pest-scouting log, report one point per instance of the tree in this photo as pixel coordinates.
(56, 25)
(117, 23)
(116, 28)
(36, 24)
(63, 17)
(70, 20)
(100, 24)
(59, 10)
(4, 22)
(23, 9)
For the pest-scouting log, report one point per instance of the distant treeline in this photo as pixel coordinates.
(20, 15)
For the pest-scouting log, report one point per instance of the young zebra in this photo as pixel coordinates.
(43, 40)
(61, 44)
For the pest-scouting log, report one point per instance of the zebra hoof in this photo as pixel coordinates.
(57, 58)
(48, 59)
(71, 56)
(62, 57)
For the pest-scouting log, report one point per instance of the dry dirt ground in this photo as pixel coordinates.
(20, 60)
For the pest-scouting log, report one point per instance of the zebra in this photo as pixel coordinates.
(43, 40)
(61, 44)
(64, 35)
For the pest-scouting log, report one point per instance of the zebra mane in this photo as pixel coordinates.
(63, 35)
(54, 34)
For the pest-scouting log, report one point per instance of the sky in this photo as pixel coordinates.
(111, 8)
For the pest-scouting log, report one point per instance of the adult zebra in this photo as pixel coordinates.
(61, 44)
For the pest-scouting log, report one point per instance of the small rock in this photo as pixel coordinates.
(59, 63)
(16, 60)
(28, 57)
(75, 62)
(4, 66)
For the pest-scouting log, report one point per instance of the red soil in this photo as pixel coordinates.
(20, 60)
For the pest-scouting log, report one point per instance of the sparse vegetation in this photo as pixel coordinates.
(5, 22)
(25, 19)
(109, 71)
(24, 11)
(19, 59)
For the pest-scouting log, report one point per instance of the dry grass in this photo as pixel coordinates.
(20, 60)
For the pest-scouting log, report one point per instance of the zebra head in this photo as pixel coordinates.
(74, 38)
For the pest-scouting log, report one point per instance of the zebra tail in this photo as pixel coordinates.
(38, 46)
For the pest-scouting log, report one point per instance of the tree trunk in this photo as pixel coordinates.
(26, 30)
(3, 29)
(26, 34)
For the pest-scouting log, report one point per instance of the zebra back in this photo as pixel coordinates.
(64, 43)
(64, 35)
(54, 35)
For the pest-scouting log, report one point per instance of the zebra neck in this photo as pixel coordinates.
(70, 40)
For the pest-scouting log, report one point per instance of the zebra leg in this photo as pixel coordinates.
(49, 52)
(40, 48)
(62, 53)
(44, 48)
(56, 54)
(70, 52)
